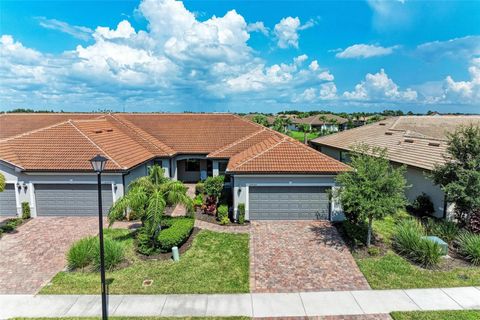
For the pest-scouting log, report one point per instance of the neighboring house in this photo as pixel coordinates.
(419, 142)
(250, 116)
(45, 159)
(323, 122)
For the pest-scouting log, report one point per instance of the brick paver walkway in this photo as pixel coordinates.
(179, 210)
(289, 256)
(36, 252)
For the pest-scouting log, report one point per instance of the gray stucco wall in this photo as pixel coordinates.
(418, 181)
(241, 185)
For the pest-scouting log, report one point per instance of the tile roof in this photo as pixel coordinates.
(131, 139)
(282, 154)
(12, 124)
(419, 141)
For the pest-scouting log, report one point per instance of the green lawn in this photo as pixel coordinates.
(299, 135)
(392, 271)
(216, 263)
(435, 315)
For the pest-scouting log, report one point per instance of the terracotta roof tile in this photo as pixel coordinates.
(279, 154)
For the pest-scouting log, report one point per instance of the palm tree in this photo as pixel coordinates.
(148, 197)
(281, 124)
(306, 129)
(2, 182)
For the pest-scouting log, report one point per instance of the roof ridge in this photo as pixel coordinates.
(169, 150)
(34, 131)
(96, 145)
(260, 153)
(230, 145)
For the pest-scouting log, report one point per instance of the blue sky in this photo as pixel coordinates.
(242, 56)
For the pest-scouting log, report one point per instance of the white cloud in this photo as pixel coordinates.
(79, 32)
(465, 47)
(286, 31)
(390, 14)
(258, 27)
(365, 51)
(124, 30)
(464, 91)
(379, 87)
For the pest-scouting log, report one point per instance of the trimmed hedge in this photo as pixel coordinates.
(25, 210)
(222, 214)
(241, 213)
(176, 233)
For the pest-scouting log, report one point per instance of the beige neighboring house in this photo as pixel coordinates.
(419, 142)
(319, 122)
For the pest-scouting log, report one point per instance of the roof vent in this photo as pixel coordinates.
(434, 144)
(109, 130)
(389, 133)
(98, 131)
(382, 124)
(408, 140)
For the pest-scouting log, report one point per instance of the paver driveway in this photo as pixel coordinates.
(36, 252)
(290, 256)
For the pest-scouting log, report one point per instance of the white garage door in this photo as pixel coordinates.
(288, 203)
(71, 199)
(8, 203)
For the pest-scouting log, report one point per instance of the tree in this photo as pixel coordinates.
(459, 177)
(2, 182)
(147, 197)
(281, 124)
(373, 189)
(306, 129)
(260, 119)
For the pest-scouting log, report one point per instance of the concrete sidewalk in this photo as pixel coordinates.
(256, 304)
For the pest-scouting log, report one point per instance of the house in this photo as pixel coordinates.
(419, 142)
(45, 159)
(323, 122)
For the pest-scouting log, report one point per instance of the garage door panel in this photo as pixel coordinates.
(288, 203)
(71, 199)
(8, 202)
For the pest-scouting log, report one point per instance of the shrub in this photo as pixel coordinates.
(445, 230)
(469, 246)
(222, 214)
(176, 234)
(241, 213)
(356, 232)
(210, 205)
(474, 222)
(11, 224)
(373, 251)
(214, 186)
(81, 253)
(423, 206)
(146, 244)
(25, 210)
(409, 240)
(114, 254)
(200, 188)
(198, 201)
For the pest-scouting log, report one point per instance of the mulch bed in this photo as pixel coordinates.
(212, 219)
(168, 255)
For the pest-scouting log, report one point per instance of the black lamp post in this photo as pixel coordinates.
(98, 163)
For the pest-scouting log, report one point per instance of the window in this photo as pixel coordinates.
(192, 165)
(158, 162)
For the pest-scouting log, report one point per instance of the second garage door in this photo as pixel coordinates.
(71, 199)
(8, 203)
(288, 203)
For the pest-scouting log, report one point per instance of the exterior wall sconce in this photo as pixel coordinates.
(239, 190)
(19, 186)
(25, 186)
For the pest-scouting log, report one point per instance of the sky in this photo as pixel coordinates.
(240, 56)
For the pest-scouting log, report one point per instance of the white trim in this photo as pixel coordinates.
(113, 192)
(282, 184)
(71, 173)
(71, 182)
(33, 203)
(285, 175)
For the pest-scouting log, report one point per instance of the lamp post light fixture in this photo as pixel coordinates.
(98, 164)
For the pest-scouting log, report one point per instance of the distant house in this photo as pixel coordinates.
(322, 122)
(419, 142)
(250, 116)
